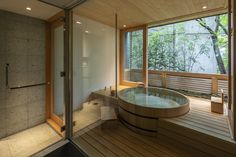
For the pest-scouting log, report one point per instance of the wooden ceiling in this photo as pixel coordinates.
(138, 12)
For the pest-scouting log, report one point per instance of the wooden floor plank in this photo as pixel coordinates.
(183, 140)
(200, 118)
(207, 132)
(204, 142)
(132, 144)
(206, 119)
(124, 142)
(108, 144)
(180, 148)
(205, 124)
(139, 149)
(208, 114)
(210, 130)
(146, 139)
(104, 150)
(141, 144)
(88, 148)
(118, 143)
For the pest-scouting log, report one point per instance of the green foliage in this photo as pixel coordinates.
(134, 50)
(137, 49)
(174, 49)
(223, 40)
(177, 48)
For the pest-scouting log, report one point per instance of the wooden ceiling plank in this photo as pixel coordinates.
(138, 12)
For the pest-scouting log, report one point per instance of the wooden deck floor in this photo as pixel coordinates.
(199, 127)
(201, 119)
(99, 141)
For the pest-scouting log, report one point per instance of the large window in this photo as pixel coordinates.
(133, 55)
(198, 46)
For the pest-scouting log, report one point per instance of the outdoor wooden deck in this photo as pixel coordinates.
(201, 129)
(198, 133)
(201, 119)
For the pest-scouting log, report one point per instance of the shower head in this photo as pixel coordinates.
(63, 4)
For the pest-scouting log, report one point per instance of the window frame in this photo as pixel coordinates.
(122, 55)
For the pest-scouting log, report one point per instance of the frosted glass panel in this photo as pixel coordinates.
(58, 65)
(93, 66)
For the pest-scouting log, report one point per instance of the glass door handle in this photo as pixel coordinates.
(62, 74)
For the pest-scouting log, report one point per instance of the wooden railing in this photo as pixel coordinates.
(207, 83)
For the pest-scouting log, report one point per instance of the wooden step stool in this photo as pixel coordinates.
(217, 103)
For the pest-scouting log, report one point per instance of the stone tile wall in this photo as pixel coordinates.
(22, 45)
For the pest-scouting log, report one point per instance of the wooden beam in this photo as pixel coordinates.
(192, 16)
(188, 74)
(233, 61)
(53, 120)
(229, 53)
(163, 80)
(145, 56)
(135, 28)
(214, 85)
(48, 70)
(121, 58)
(55, 126)
(130, 83)
(56, 17)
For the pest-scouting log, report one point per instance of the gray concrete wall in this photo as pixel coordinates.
(22, 45)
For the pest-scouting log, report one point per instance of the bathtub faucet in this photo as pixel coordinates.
(140, 84)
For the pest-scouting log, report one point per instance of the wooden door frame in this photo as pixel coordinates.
(233, 66)
(121, 58)
(232, 69)
(52, 119)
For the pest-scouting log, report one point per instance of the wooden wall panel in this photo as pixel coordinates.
(154, 80)
(137, 12)
(222, 84)
(174, 80)
(190, 84)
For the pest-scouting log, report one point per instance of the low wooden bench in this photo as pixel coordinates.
(217, 103)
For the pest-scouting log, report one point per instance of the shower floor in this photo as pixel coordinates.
(28, 142)
(89, 114)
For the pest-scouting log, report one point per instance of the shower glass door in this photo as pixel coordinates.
(58, 72)
(55, 92)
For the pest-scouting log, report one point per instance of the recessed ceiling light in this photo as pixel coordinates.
(86, 31)
(204, 7)
(78, 22)
(28, 8)
(124, 26)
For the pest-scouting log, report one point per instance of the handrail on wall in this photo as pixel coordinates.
(26, 86)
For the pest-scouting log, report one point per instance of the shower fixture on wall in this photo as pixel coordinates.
(63, 4)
